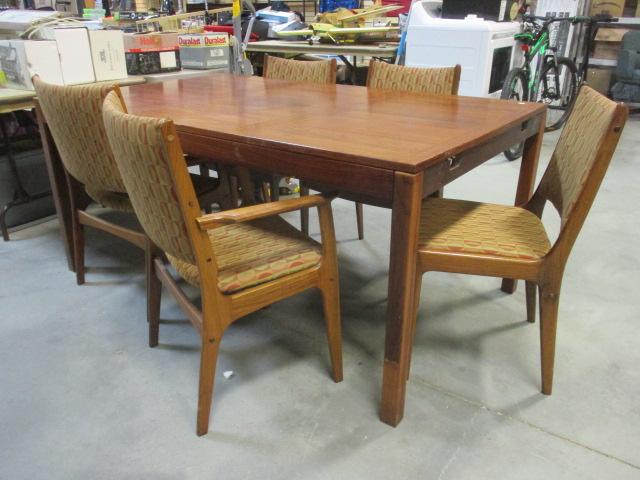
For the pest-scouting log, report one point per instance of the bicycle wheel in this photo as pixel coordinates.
(558, 90)
(515, 88)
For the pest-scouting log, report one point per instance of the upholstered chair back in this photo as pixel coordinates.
(438, 81)
(572, 174)
(74, 117)
(142, 154)
(322, 71)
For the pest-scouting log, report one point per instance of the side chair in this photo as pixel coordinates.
(459, 236)
(242, 260)
(74, 116)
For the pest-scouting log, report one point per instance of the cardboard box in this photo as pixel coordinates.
(610, 34)
(107, 54)
(206, 51)
(606, 50)
(21, 59)
(615, 8)
(150, 42)
(75, 55)
(600, 79)
(148, 53)
(608, 42)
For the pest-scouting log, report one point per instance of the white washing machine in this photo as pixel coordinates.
(485, 49)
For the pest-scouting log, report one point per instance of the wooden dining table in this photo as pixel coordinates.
(385, 148)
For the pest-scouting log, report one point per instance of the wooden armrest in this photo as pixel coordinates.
(253, 212)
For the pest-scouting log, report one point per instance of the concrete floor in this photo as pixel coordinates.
(83, 397)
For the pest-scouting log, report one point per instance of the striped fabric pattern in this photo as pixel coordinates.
(301, 71)
(143, 160)
(438, 81)
(576, 150)
(74, 116)
(458, 226)
(250, 254)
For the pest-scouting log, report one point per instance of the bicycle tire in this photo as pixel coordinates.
(567, 99)
(516, 76)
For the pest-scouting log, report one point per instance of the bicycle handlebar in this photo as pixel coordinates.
(603, 18)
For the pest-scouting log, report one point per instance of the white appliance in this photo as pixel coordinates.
(483, 48)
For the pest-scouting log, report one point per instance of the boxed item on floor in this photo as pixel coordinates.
(148, 53)
(204, 50)
(600, 79)
(607, 43)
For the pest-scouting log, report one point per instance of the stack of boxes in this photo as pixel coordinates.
(73, 56)
(608, 41)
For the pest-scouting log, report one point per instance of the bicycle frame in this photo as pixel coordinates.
(539, 49)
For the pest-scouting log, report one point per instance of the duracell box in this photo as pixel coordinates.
(148, 53)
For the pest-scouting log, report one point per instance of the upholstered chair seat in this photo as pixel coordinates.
(458, 226)
(254, 253)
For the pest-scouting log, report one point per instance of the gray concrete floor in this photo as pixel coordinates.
(83, 397)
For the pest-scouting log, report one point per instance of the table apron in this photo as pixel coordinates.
(446, 171)
(371, 183)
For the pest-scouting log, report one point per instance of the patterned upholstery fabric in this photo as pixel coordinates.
(144, 162)
(439, 81)
(576, 150)
(301, 71)
(249, 254)
(458, 226)
(73, 114)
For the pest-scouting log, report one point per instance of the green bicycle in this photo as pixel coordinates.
(554, 82)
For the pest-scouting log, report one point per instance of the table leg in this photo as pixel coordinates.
(59, 188)
(527, 180)
(407, 203)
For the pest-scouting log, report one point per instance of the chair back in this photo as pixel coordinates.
(322, 71)
(150, 160)
(74, 117)
(438, 81)
(580, 160)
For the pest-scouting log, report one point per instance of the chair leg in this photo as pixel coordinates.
(78, 248)
(233, 187)
(531, 301)
(549, 299)
(304, 213)
(331, 304)
(154, 295)
(416, 306)
(360, 220)
(274, 188)
(266, 194)
(204, 170)
(208, 360)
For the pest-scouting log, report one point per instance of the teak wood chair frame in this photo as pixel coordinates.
(544, 273)
(220, 310)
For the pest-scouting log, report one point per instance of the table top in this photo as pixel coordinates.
(382, 50)
(386, 129)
